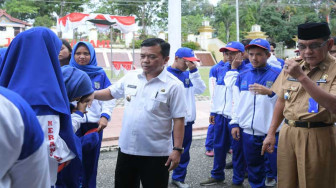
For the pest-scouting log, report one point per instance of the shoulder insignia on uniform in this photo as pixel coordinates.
(97, 85)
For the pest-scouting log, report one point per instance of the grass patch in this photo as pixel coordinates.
(204, 72)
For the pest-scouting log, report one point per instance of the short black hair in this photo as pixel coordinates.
(246, 41)
(165, 46)
(273, 44)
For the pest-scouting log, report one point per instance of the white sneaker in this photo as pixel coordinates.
(180, 184)
(270, 182)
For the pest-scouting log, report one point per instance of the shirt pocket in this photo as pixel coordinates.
(157, 103)
(290, 91)
(130, 94)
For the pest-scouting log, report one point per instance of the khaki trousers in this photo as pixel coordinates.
(307, 157)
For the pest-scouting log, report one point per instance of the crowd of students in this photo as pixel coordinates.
(242, 106)
(46, 87)
(31, 67)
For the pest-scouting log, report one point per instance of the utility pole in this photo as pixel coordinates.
(61, 15)
(174, 27)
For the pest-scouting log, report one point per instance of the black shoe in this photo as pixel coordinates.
(229, 165)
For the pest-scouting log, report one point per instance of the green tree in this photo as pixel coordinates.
(145, 11)
(194, 7)
(44, 21)
(30, 9)
(22, 10)
(224, 14)
(191, 24)
(191, 45)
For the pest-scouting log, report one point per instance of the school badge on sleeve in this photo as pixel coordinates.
(187, 81)
(269, 84)
(243, 85)
(97, 85)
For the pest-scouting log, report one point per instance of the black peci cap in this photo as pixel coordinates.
(309, 31)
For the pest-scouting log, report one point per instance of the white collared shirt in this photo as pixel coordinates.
(150, 107)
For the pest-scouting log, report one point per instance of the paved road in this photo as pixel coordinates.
(198, 170)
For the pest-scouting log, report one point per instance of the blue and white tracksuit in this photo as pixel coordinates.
(24, 156)
(238, 161)
(212, 82)
(221, 107)
(253, 114)
(193, 84)
(97, 110)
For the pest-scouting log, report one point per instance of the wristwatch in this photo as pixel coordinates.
(178, 149)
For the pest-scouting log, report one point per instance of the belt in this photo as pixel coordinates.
(306, 124)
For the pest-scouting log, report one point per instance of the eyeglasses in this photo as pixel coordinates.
(313, 46)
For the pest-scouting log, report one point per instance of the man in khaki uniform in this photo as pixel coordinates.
(307, 101)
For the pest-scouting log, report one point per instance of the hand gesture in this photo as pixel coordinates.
(212, 120)
(293, 68)
(102, 124)
(191, 65)
(235, 132)
(259, 89)
(88, 99)
(173, 160)
(237, 61)
(268, 144)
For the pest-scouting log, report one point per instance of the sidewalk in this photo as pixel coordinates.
(112, 131)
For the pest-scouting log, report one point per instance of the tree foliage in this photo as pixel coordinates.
(191, 24)
(147, 12)
(191, 45)
(278, 18)
(43, 12)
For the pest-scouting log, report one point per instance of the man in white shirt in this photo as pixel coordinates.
(154, 99)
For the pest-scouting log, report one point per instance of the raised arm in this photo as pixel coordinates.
(103, 95)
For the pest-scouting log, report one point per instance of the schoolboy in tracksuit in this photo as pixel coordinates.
(193, 84)
(253, 104)
(212, 82)
(221, 107)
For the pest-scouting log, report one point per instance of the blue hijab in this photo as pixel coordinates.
(32, 69)
(2, 54)
(77, 82)
(91, 69)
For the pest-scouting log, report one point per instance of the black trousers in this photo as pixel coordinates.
(131, 169)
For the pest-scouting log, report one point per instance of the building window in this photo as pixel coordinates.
(2, 28)
(16, 31)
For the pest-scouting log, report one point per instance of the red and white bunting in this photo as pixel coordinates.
(71, 21)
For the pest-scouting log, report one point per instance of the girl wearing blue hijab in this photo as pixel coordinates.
(83, 57)
(78, 87)
(31, 69)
